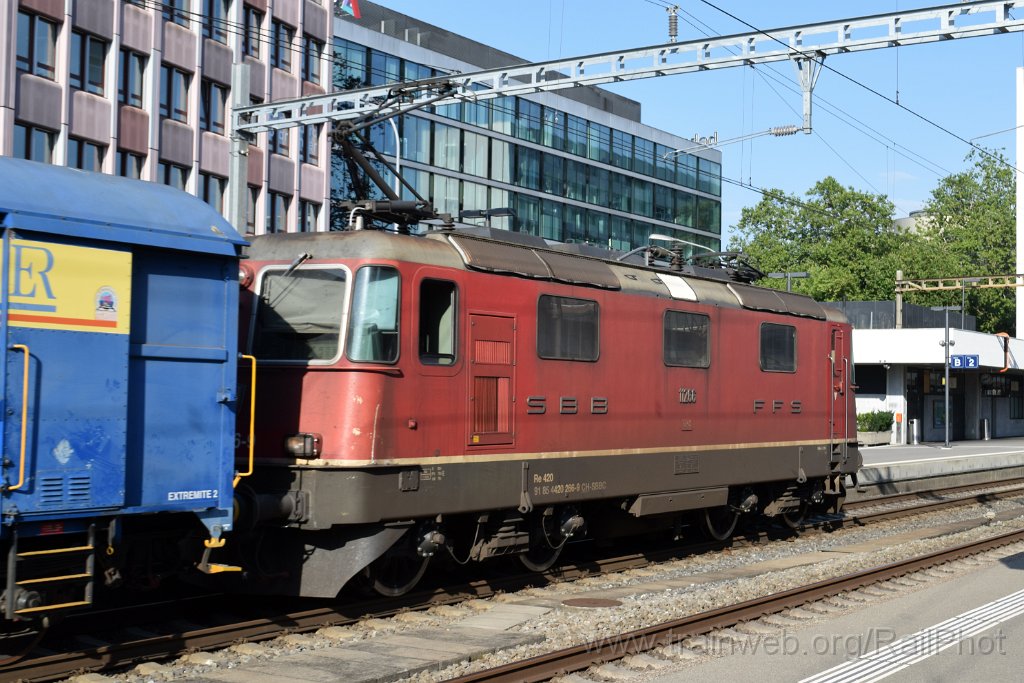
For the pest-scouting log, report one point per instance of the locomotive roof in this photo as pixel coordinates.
(529, 257)
(59, 200)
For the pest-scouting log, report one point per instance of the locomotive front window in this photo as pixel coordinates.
(686, 341)
(373, 324)
(778, 348)
(567, 329)
(298, 315)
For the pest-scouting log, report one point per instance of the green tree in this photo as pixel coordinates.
(844, 239)
(971, 220)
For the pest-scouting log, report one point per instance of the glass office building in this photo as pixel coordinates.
(569, 170)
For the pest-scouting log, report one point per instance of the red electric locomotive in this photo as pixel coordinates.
(465, 394)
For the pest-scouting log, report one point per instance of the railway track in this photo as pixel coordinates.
(590, 654)
(138, 644)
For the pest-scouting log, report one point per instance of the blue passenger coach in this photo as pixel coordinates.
(119, 318)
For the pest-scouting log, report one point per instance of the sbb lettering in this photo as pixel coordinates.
(567, 405)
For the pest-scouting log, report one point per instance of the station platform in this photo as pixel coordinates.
(905, 469)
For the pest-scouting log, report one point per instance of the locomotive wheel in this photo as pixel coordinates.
(18, 639)
(794, 518)
(719, 523)
(397, 571)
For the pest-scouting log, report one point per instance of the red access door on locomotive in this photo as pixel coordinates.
(492, 360)
(839, 388)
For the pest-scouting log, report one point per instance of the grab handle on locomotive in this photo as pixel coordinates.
(24, 417)
(252, 418)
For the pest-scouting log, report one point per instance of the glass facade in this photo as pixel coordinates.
(565, 177)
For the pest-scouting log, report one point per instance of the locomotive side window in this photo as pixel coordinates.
(298, 315)
(778, 348)
(686, 340)
(437, 322)
(567, 329)
(373, 324)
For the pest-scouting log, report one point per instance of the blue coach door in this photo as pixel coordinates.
(65, 308)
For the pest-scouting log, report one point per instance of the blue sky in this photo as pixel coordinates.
(966, 86)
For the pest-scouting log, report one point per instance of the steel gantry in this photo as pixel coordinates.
(806, 46)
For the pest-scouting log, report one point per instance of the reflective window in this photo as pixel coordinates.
(132, 70)
(643, 197)
(597, 228)
(622, 150)
(621, 192)
(173, 175)
(686, 209)
(527, 168)
(447, 146)
(384, 68)
(174, 93)
(373, 325)
(686, 340)
(212, 188)
(215, 20)
(528, 214)
(686, 171)
(553, 176)
(130, 165)
(709, 177)
(437, 316)
(85, 155)
(282, 36)
(176, 11)
(35, 144)
(553, 129)
(621, 233)
(643, 156)
(213, 101)
(709, 215)
(551, 220)
(416, 139)
(312, 50)
(309, 144)
(252, 21)
(277, 212)
(308, 214)
(446, 194)
(37, 45)
(778, 348)
(528, 122)
(599, 143)
(474, 154)
(574, 223)
(503, 113)
(598, 180)
(664, 203)
(298, 314)
(501, 161)
(567, 328)
(349, 65)
(87, 56)
(576, 135)
(575, 180)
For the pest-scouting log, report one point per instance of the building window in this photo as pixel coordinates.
(85, 155)
(212, 104)
(130, 165)
(312, 50)
(173, 175)
(174, 93)
(281, 45)
(1016, 400)
(252, 198)
(567, 329)
(686, 341)
(277, 215)
(308, 214)
(37, 45)
(35, 144)
(176, 11)
(778, 348)
(87, 56)
(277, 141)
(212, 188)
(132, 70)
(215, 20)
(252, 21)
(309, 144)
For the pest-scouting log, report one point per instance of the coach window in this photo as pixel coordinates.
(686, 340)
(778, 348)
(567, 329)
(373, 324)
(437, 322)
(298, 314)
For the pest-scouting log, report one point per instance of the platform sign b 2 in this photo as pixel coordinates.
(964, 362)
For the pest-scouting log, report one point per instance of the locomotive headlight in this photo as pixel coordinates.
(304, 445)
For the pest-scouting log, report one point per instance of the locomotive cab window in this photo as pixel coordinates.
(373, 324)
(437, 322)
(298, 315)
(686, 340)
(567, 329)
(778, 348)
